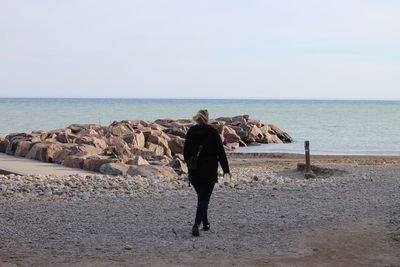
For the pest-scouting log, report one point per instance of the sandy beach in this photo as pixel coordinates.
(269, 215)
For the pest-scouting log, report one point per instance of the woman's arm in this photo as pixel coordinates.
(186, 145)
(221, 154)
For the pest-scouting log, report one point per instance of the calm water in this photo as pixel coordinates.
(333, 127)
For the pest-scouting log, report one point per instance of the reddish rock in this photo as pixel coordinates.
(176, 145)
(38, 152)
(19, 136)
(161, 172)
(145, 123)
(116, 141)
(179, 156)
(155, 126)
(14, 139)
(92, 141)
(255, 122)
(86, 149)
(229, 135)
(121, 152)
(138, 160)
(255, 134)
(159, 160)
(147, 132)
(274, 139)
(90, 132)
(39, 136)
(242, 131)
(93, 163)
(23, 148)
(110, 151)
(99, 143)
(84, 140)
(133, 123)
(65, 137)
(102, 131)
(3, 144)
(77, 128)
(159, 140)
(74, 161)
(66, 150)
(52, 150)
(240, 119)
(140, 127)
(120, 128)
(284, 136)
(181, 132)
(144, 152)
(157, 149)
(57, 131)
(265, 129)
(137, 138)
(60, 155)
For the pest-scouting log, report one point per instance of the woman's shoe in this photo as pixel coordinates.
(206, 227)
(195, 230)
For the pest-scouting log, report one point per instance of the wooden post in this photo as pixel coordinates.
(308, 161)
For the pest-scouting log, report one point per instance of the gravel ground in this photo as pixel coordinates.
(268, 216)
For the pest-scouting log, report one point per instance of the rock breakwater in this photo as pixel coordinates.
(133, 147)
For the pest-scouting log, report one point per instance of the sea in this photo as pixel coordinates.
(333, 127)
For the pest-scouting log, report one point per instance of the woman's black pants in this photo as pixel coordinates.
(204, 191)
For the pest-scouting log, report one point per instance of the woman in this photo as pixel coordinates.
(203, 140)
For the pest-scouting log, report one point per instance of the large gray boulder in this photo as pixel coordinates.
(178, 165)
(284, 136)
(114, 169)
(176, 145)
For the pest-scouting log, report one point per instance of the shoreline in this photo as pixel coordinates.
(291, 156)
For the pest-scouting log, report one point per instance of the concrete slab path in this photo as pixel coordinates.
(22, 166)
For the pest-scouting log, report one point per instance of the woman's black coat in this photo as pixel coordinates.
(212, 153)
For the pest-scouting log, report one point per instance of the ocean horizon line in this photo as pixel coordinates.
(207, 99)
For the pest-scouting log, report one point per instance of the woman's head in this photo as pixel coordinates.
(201, 117)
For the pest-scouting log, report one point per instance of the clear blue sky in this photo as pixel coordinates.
(200, 49)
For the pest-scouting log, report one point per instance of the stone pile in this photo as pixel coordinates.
(133, 147)
(84, 187)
